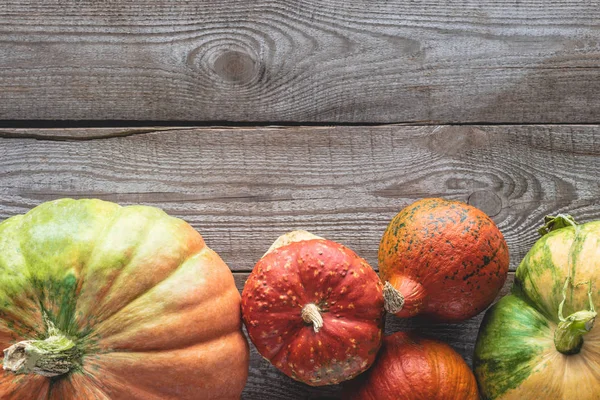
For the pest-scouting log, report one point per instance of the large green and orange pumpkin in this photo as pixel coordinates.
(102, 302)
(411, 367)
(443, 259)
(540, 340)
(314, 309)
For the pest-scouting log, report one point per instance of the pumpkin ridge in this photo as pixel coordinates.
(305, 247)
(216, 338)
(543, 360)
(200, 339)
(17, 299)
(15, 319)
(266, 263)
(277, 357)
(112, 371)
(116, 266)
(90, 383)
(115, 280)
(503, 366)
(37, 387)
(101, 235)
(171, 273)
(519, 292)
(593, 368)
(434, 368)
(38, 301)
(107, 320)
(124, 381)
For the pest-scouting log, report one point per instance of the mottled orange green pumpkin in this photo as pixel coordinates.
(446, 258)
(143, 309)
(415, 368)
(314, 309)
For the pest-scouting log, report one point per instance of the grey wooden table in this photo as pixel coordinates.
(250, 119)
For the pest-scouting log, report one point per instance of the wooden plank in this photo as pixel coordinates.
(266, 382)
(333, 61)
(243, 188)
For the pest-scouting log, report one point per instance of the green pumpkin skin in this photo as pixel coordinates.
(515, 354)
(153, 311)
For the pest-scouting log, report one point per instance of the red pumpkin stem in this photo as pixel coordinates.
(393, 299)
(312, 315)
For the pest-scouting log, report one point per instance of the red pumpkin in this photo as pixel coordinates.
(446, 259)
(314, 309)
(413, 368)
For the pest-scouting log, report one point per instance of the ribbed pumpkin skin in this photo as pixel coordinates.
(410, 367)
(448, 259)
(334, 278)
(515, 355)
(153, 310)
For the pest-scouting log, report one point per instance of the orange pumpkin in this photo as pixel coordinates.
(99, 301)
(410, 367)
(443, 259)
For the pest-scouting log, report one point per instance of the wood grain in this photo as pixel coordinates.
(242, 188)
(266, 382)
(324, 61)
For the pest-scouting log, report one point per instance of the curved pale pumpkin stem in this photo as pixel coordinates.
(403, 296)
(312, 315)
(393, 299)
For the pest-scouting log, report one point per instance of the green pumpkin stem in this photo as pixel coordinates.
(552, 223)
(568, 337)
(54, 356)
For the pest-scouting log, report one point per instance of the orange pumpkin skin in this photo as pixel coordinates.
(349, 296)
(409, 367)
(153, 311)
(448, 259)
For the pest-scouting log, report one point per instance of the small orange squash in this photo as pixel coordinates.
(410, 367)
(446, 259)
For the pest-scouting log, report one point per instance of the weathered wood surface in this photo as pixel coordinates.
(265, 382)
(325, 61)
(244, 187)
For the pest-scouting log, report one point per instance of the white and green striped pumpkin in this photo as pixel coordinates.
(539, 342)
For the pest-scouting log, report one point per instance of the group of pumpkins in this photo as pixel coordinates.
(99, 301)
